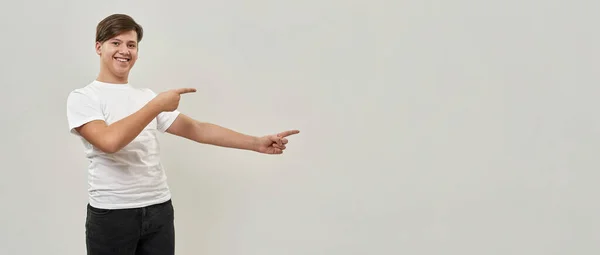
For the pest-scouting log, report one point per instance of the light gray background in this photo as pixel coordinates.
(428, 127)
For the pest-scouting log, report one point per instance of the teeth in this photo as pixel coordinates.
(122, 59)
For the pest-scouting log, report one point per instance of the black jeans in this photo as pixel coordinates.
(140, 231)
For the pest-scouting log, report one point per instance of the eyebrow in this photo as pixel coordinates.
(115, 39)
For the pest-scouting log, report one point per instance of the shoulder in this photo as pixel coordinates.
(88, 92)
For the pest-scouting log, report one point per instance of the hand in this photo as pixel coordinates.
(274, 144)
(168, 101)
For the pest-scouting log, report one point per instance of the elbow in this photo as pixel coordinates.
(109, 147)
(191, 130)
(197, 132)
(101, 138)
(109, 150)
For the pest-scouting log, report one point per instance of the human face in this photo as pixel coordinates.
(117, 57)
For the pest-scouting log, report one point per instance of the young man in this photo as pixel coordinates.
(130, 209)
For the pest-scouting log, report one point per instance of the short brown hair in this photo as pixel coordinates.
(116, 24)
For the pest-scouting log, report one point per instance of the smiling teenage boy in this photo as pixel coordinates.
(130, 209)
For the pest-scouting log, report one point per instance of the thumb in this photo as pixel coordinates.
(276, 139)
(185, 90)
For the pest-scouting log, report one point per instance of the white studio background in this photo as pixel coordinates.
(427, 127)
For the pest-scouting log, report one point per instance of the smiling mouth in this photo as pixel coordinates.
(123, 60)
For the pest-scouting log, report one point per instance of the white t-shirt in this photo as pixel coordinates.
(134, 176)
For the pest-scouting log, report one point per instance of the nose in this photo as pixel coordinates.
(124, 50)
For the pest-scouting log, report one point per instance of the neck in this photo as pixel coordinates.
(107, 77)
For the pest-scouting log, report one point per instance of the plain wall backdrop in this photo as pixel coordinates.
(427, 127)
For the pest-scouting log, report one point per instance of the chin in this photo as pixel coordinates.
(121, 69)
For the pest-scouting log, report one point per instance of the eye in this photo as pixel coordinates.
(116, 43)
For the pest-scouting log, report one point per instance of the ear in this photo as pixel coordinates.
(98, 48)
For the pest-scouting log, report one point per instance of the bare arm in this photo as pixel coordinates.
(208, 133)
(112, 138)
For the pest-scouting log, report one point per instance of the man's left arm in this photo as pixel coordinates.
(208, 133)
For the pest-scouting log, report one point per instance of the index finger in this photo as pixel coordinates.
(288, 133)
(185, 90)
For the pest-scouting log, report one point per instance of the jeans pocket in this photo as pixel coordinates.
(98, 211)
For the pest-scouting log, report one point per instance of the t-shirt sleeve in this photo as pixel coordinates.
(81, 109)
(164, 119)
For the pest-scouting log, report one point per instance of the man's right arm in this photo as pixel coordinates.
(112, 138)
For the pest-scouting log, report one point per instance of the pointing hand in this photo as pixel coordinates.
(168, 101)
(274, 144)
